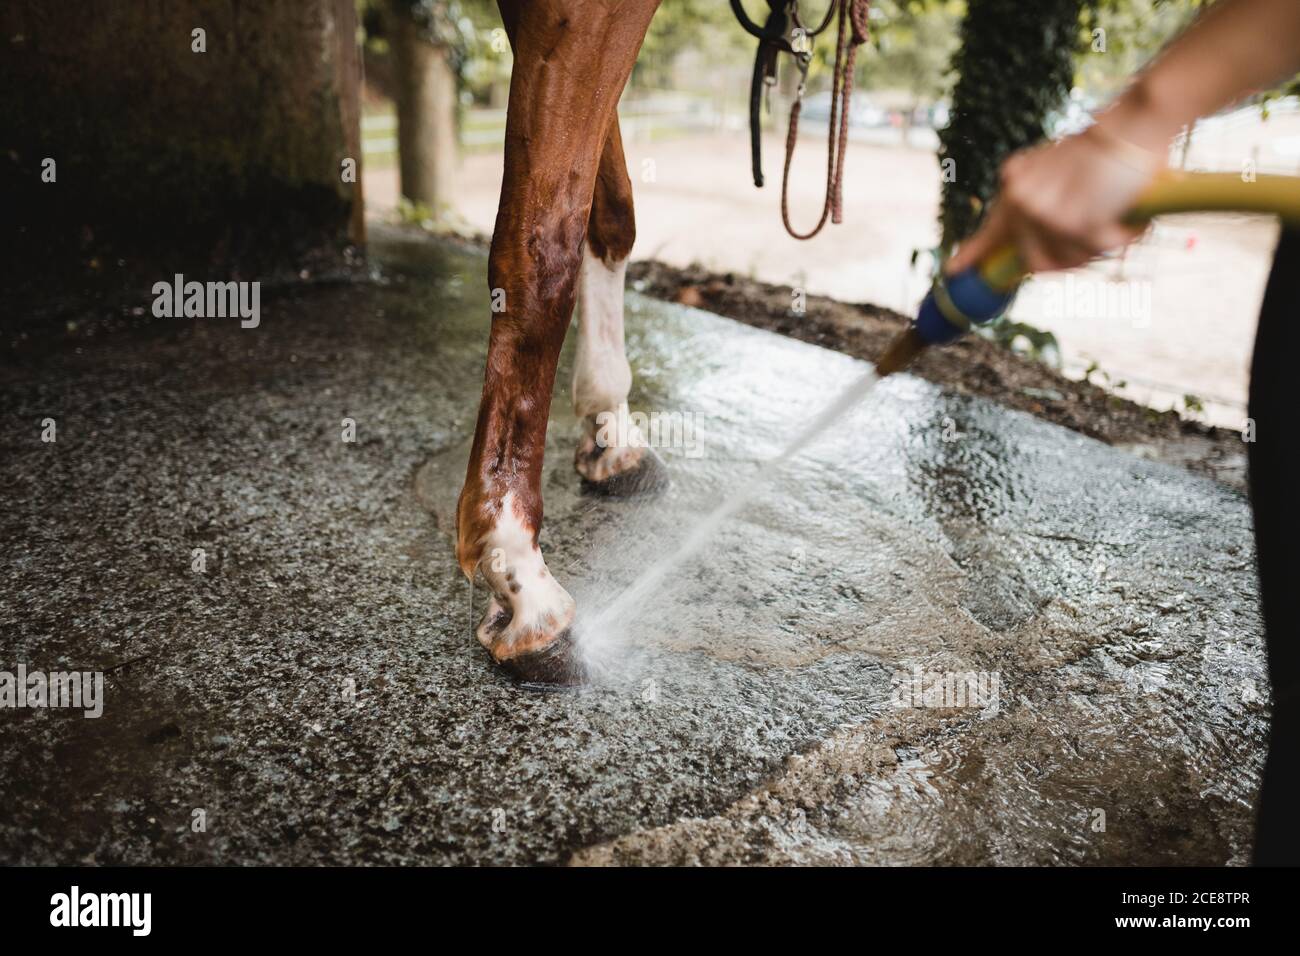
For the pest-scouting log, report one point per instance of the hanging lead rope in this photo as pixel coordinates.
(852, 33)
(783, 31)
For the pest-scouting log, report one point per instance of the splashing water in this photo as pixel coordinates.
(593, 635)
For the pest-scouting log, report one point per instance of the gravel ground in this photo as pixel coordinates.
(316, 690)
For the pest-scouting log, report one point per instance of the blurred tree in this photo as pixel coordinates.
(428, 39)
(1015, 65)
(485, 76)
(1120, 36)
(680, 25)
(914, 45)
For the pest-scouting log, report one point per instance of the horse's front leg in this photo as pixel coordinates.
(613, 456)
(572, 60)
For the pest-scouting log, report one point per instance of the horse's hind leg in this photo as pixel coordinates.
(612, 456)
(572, 60)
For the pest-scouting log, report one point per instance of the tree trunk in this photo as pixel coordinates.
(1014, 67)
(426, 116)
(224, 149)
(347, 83)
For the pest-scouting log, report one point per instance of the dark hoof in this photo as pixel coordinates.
(556, 665)
(649, 477)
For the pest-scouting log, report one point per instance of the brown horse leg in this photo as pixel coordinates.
(612, 456)
(572, 60)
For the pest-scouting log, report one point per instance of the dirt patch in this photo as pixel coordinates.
(972, 366)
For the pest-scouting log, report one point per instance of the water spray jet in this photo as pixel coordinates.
(954, 304)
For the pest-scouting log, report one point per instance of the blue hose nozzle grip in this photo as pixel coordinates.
(957, 302)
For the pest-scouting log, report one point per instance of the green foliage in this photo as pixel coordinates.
(1119, 37)
(470, 30)
(1015, 65)
(443, 21)
(462, 26)
(680, 25)
(1023, 339)
(913, 47)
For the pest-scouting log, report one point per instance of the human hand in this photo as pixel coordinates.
(1062, 204)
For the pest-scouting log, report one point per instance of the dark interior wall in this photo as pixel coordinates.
(230, 157)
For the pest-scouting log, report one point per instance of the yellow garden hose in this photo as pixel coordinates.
(985, 291)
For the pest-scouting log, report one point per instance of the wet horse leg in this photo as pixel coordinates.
(572, 60)
(612, 456)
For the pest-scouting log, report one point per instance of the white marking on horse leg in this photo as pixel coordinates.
(529, 607)
(602, 377)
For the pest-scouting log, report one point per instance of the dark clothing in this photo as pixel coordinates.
(1274, 401)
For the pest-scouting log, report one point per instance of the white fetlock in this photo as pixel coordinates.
(610, 445)
(529, 609)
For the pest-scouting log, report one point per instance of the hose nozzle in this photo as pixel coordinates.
(986, 291)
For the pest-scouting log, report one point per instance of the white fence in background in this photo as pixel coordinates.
(645, 117)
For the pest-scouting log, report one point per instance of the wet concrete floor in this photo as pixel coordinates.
(317, 693)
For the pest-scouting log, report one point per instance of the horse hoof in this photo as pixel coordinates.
(556, 665)
(648, 477)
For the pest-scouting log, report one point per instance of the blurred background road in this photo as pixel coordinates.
(1170, 324)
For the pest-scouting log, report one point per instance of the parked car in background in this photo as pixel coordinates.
(863, 114)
